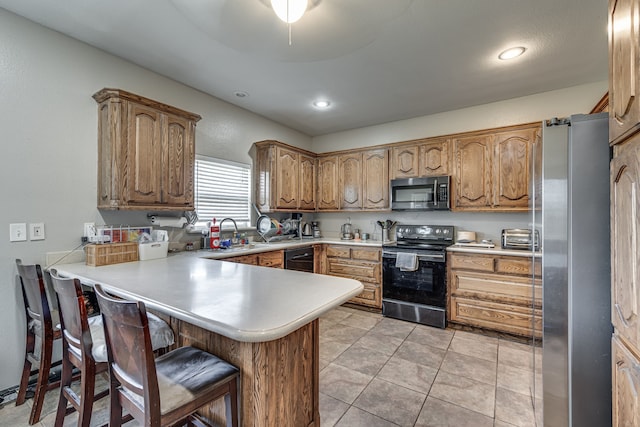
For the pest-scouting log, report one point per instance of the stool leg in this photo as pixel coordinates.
(88, 382)
(26, 370)
(65, 381)
(43, 381)
(231, 404)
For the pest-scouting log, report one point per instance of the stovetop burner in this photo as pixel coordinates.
(423, 237)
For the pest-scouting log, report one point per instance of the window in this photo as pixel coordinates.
(222, 190)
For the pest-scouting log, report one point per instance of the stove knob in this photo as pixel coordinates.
(438, 231)
(445, 231)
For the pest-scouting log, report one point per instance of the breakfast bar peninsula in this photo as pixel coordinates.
(263, 320)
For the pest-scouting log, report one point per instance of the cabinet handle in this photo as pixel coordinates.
(620, 316)
(619, 175)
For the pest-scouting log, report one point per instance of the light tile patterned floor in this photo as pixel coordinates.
(377, 371)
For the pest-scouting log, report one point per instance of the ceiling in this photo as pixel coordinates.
(376, 61)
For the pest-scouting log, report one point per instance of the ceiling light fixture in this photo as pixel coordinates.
(289, 11)
(511, 53)
(321, 104)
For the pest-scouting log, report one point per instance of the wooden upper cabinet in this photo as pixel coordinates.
(179, 161)
(328, 195)
(350, 180)
(405, 161)
(284, 178)
(430, 158)
(375, 179)
(512, 164)
(146, 153)
(435, 158)
(625, 248)
(624, 72)
(472, 179)
(492, 170)
(287, 175)
(307, 182)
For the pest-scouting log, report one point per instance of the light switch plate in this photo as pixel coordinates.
(36, 231)
(18, 232)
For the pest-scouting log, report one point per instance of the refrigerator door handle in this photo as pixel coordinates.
(621, 316)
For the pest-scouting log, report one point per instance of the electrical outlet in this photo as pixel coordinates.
(18, 232)
(36, 231)
(89, 229)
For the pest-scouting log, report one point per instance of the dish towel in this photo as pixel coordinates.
(407, 261)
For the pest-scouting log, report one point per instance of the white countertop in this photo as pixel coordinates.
(255, 248)
(242, 302)
(491, 251)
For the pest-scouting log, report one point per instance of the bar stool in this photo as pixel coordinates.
(41, 328)
(166, 390)
(84, 347)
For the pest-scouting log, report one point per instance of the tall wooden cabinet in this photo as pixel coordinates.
(492, 170)
(146, 153)
(285, 178)
(328, 193)
(624, 124)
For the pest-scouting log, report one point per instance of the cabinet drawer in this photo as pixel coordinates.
(365, 254)
(271, 259)
(472, 262)
(243, 259)
(520, 266)
(354, 269)
(339, 251)
(370, 296)
(507, 289)
(495, 316)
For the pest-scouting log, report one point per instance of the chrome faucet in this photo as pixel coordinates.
(230, 219)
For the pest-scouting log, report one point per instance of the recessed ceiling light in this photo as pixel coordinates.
(321, 104)
(241, 94)
(514, 52)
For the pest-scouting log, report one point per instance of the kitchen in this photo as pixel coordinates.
(60, 99)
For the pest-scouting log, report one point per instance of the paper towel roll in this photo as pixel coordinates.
(168, 221)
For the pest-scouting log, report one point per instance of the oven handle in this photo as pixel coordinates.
(432, 258)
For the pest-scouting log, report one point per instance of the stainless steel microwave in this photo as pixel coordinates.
(420, 194)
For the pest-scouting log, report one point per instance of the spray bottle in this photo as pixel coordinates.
(214, 235)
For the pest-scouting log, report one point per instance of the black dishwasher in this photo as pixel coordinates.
(299, 259)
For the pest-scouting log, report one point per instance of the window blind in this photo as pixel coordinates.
(222, 190)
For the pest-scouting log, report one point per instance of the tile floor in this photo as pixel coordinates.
(379, 371)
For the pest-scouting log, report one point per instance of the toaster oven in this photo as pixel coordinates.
(520, 238)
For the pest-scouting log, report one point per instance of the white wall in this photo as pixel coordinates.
(48, 166)
(558, 103)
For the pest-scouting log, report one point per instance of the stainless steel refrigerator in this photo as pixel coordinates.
(571, 209)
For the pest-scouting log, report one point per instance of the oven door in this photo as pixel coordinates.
(427, 285)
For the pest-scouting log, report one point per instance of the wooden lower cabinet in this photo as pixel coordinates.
(626, 385)
(495, 292)
(359, 263)
(274, 259)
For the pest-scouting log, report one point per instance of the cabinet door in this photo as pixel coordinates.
(178, 161)
(473, 172)
(287, 178)
(144, 156)
(405, 161)
(625, 253)
(307, 200)
(626, 386)
(511, 163)
(328, 196)
(350, 180)
(375, 179)
(435, 158)
(624, 75)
